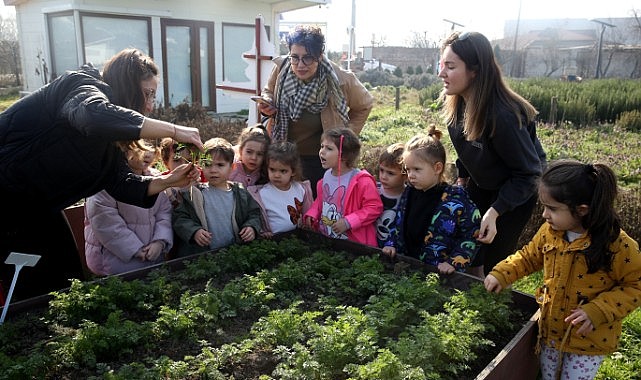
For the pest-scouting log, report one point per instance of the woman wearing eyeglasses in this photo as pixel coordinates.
(493, 131)
(308, 94)
(59, 145)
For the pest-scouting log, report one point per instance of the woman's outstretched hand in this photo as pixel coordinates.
(188, 135)
(488, 230)
(181, 176)
(157, 129)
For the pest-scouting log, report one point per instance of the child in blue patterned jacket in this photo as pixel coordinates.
(436, 222)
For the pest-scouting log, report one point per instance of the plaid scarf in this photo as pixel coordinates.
(295, 96)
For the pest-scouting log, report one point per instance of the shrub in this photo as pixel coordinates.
(378, 78)
(630, 121)
(430, 94)
(588, 102)
(421, 80)
(209, 124)
(410, 70)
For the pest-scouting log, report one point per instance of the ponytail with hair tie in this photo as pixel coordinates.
(340, 157)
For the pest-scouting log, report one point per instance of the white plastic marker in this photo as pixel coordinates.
(19, 260)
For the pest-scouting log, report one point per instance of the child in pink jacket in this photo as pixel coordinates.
(347, 203)
(120, 237)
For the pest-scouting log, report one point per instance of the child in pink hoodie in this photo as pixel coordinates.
(347, 203)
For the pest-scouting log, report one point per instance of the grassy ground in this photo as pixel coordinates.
(6, 101)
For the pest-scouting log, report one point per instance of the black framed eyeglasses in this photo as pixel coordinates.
(306, 59)
(150, 94)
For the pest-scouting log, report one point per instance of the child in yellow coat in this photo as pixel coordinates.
(591, 270)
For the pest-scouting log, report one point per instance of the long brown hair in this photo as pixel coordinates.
(487, 90)
(124, 73)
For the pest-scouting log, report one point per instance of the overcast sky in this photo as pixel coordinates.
(397, 21)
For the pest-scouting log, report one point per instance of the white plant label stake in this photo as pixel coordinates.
(19, 260)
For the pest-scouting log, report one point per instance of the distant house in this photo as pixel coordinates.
(196, 43)
(403, 57)
(562, 47)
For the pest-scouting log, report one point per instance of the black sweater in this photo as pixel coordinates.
(57, 144)
(509, 162)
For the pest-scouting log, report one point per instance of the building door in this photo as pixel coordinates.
(188, 61)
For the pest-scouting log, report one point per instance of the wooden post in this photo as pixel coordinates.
(398, 98)
(554, 103)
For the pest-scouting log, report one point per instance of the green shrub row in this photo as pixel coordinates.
(580, 103)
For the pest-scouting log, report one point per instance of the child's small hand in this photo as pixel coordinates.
(247, 234)
(153, 250)
(576, 317)
(492, 284)
(389, 251)
(141, 254)
(340, 226)
(308, 222)
(445, 268)
(266, 234)
(202, 237)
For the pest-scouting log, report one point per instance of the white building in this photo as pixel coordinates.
(197, 44)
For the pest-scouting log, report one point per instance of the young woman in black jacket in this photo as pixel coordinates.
(62, 143)
(493, 131)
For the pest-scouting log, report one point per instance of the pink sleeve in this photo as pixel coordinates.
(315, 210)
(370, 207)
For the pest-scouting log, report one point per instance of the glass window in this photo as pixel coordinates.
(62, 40)
(105, 36)
(204, 67)
(237, 39)
(178, 64)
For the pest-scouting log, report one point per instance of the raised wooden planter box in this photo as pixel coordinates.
(515, 361)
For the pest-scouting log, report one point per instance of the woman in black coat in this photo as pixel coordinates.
(493, 131)
(61, 144)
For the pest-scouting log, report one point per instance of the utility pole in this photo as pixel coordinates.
(516, 35)
(597, 73)
(352, 38)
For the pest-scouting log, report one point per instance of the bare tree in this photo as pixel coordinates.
(9, 48)
(636, 14)
(378, 41)
(636, 28)
(551, 55)
(420, 40)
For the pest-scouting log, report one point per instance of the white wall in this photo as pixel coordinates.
(31, 23)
